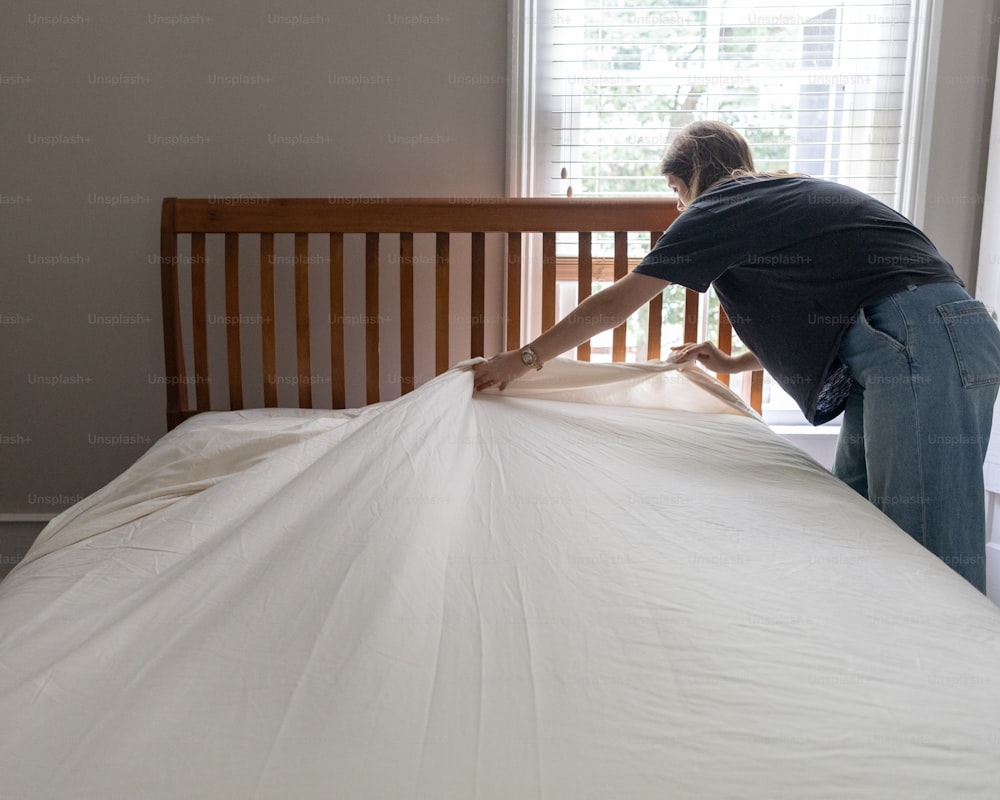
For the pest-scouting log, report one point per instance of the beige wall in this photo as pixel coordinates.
(110, 106)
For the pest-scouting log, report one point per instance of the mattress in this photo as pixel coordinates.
(606, 581)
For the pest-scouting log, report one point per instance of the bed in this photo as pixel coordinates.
(342, 573)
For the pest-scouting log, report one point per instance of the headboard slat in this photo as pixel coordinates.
(654, 343)
(303, 358)
(199, 320)
(233, 316)
(753, 389)
(477, 344)
(442, 297)
(371, 317)
(618, 342)
(513, 288)
(725, 341)
(691, 309)
(584, 280)
(406, 322)
(338, 381)
(173, 344)
(269, 359)
(548, 280)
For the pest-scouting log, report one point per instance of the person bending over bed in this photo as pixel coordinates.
(848, 306)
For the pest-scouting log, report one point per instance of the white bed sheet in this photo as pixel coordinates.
(607, 582)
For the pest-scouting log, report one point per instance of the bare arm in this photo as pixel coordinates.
(608, 308)
(714, 359)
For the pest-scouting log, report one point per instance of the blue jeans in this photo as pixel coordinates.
(926, 368)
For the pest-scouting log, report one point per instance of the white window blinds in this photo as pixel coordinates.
(815, 87)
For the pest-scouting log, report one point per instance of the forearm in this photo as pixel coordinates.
(713, 359)
(608, 308)
(746, 362)
(605, 309)
(588, 319)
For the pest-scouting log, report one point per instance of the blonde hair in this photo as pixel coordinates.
(706, 153)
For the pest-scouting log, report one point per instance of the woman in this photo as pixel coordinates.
(848, 306)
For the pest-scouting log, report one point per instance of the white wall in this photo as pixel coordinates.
(110, 106)
(960, 133)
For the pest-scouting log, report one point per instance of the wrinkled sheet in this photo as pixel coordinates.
(605, 582)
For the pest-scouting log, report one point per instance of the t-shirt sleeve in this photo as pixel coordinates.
(693, 251)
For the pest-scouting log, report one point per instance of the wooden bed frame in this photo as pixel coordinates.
(188, 225)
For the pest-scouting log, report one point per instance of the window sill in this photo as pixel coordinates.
(818, 442)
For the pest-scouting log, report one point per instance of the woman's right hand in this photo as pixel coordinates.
(499, 370)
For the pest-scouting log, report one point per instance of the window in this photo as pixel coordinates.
(819, 88)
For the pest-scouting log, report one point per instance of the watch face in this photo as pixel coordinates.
(527, 357)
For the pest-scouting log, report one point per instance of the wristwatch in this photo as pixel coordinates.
(529, 357)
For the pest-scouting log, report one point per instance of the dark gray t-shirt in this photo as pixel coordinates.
(792, 261)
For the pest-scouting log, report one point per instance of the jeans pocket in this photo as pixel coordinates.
(886, 321)
(975, 339)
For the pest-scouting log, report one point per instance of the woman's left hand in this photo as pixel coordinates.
(713, 359)
(705, 352)
(499, 370)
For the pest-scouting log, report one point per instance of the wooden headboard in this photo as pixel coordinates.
(385, 226)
